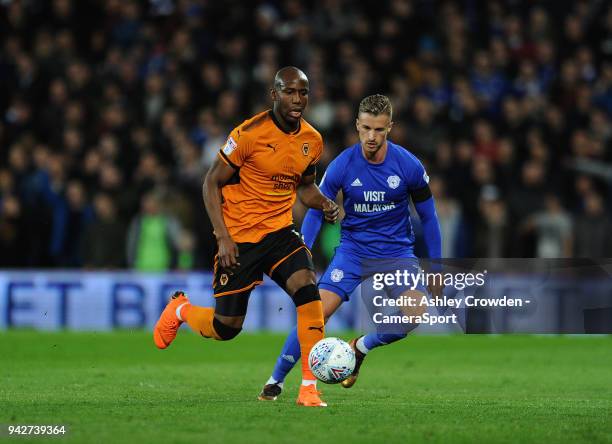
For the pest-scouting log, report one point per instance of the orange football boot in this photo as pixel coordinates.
(168, 323)
(310, 397)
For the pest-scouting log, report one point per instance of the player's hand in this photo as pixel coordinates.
(330, 211)
(228, 253)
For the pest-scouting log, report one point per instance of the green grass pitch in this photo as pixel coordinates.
(116, 387)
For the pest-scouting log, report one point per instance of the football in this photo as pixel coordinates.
(332, 360)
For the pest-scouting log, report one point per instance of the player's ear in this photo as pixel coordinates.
(273, 94)
(357, 123)
(390, 126)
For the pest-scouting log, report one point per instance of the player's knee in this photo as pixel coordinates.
(310, 278)
(300, 279)
(225, 332)
(306, 294)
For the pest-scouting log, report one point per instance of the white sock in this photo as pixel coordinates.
(274, 381)
(361, 346)
(309, 382)
(178, 310)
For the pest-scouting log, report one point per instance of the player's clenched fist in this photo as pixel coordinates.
(228, 252)
(331, 211)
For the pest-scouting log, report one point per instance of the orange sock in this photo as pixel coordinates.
(200, 319)
(310, 330)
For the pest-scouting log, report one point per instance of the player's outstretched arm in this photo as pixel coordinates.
(431, 227)
(311, 226)
(431, 231)
(329, 187)
(217, 176)
(311, 197)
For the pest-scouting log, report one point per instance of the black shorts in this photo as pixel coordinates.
(278, 254)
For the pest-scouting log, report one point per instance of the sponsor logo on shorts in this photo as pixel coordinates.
(425, 177)
(393, 182)
(223, 279)
(337, 275)
(298, 234)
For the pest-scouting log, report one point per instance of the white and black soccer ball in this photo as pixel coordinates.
(331, 360)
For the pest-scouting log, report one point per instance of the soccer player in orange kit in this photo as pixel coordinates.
(266, 162)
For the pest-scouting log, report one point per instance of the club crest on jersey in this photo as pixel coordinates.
(229, 146)
(393, 182)
(305, 149)
(337, 275)
(223, 279)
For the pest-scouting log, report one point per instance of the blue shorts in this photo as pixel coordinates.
(346, 271)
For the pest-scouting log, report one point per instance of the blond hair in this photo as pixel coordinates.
(376, 104)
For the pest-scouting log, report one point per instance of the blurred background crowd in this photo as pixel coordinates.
(111, 112)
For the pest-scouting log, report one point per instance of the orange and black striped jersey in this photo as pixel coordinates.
(269, 165)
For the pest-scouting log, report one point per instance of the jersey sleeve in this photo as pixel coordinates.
(418, 182)
(236, 149)
(332, 179)
(418, 186)
(329, 186)
(318, 151)
(418, 177)
(431, 227)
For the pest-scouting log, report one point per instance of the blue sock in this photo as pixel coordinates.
(288, 358)
(373, 340)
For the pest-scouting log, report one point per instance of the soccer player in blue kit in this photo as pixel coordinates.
(377, 178)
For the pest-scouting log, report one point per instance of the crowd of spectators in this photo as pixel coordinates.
(111, 111)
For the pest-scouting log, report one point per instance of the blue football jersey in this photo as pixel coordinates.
(376, 200)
